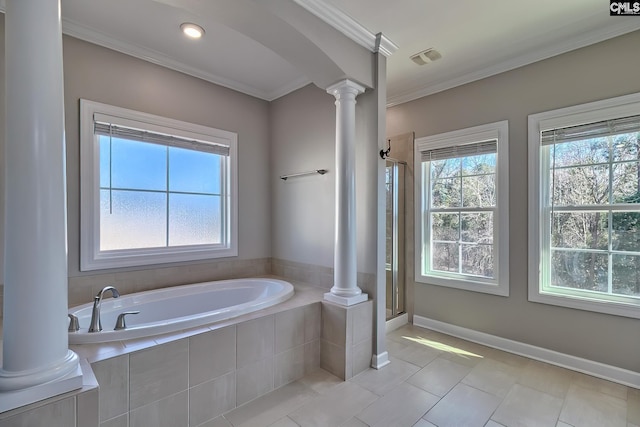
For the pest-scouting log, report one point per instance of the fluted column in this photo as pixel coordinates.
(37, 362)
(345, 290)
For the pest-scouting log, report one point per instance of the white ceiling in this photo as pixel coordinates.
(476, 39)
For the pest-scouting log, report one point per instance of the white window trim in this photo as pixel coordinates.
(91, 258)
(623, 106)
(500, 132)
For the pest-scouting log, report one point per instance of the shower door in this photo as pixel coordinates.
(395, 237)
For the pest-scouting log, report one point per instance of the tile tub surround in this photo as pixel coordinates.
(346, 344)
(74, 409)
(192, 377)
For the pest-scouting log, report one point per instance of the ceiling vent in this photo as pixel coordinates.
(426, 56)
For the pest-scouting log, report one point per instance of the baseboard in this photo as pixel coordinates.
(380, 360)
(590, 367)
(397, 322)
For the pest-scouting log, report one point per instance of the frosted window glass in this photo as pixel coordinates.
(194, 171)
(134, 220)
(138, 165)
(194, 219)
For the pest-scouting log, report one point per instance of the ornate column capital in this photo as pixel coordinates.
(345, 88)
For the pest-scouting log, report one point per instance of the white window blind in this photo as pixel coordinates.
(591, 130)
(475, 149)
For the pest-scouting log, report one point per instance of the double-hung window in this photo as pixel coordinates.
(154, 190)
(462, 209)
(584, 197)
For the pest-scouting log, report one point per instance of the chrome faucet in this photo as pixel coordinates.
(96, 324)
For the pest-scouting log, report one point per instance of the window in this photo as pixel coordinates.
(584, 197)
(462, 209)
(154, 190)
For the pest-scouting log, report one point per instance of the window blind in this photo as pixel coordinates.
(591, 130)
(131, 134)
(474, 149)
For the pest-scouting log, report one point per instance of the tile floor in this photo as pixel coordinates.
(438, 380)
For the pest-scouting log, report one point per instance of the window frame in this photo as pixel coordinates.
(499, 285)
(91, 257)
(608, 109)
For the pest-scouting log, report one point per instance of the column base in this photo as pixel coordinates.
(70, 381)
(346, 301)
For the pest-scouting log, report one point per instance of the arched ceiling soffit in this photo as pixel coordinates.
(323, 54)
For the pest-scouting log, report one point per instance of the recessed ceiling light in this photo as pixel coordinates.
(192, 30)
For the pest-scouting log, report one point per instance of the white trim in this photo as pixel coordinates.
(562, 45)
(379, 361)
(499, 131)
(589, 367)
(81, 32)
(622, 106)
(396, 323)
(384, 45)
(91, 258)
(340, 21)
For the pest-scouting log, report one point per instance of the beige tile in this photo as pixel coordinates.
(354, 422)
(284, 422)
(332, 358)
(506, 357)
(312, 322)
(381, 381)
(600, 385)
(633, 406)
(87, 407)
(271, 407)
(419, 355)
(121, 421)
(289, 330)
(402, 406)
(493, 377)
(158, 372)
(546, 378)
(335, 408)
(361, 356)
(334, 324)
(254, 380)
(255, 340)
(218, 422)
(61, 413)
(439, 376)
(288, 366)
(211, 399)
(113, 379)
(524, 406)
(212, 354)
(361, 321)
(321, 381)
(586, 407)
(423, 423)
(463, 406)
(311, 356)
(558, 424)
(492, 423)
(170, 411)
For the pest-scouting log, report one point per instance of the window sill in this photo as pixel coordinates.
(467, 285)
(586, 304)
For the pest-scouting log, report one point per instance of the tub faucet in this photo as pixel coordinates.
(96, 324)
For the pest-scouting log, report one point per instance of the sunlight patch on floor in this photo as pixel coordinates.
(442, 347)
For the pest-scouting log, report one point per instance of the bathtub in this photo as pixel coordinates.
(180, 307)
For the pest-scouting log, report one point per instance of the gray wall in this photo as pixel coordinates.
(604, 70)
(103, 75)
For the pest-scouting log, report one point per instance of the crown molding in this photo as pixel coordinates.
(566, 45)
(348, 26)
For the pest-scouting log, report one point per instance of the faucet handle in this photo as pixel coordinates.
(74, 325)
(120, 323)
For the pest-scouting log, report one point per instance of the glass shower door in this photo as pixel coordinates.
(395, 244)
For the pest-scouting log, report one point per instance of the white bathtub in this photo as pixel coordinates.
(180, 307)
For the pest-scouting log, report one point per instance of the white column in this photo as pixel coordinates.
(345, 290)
(36, 360)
